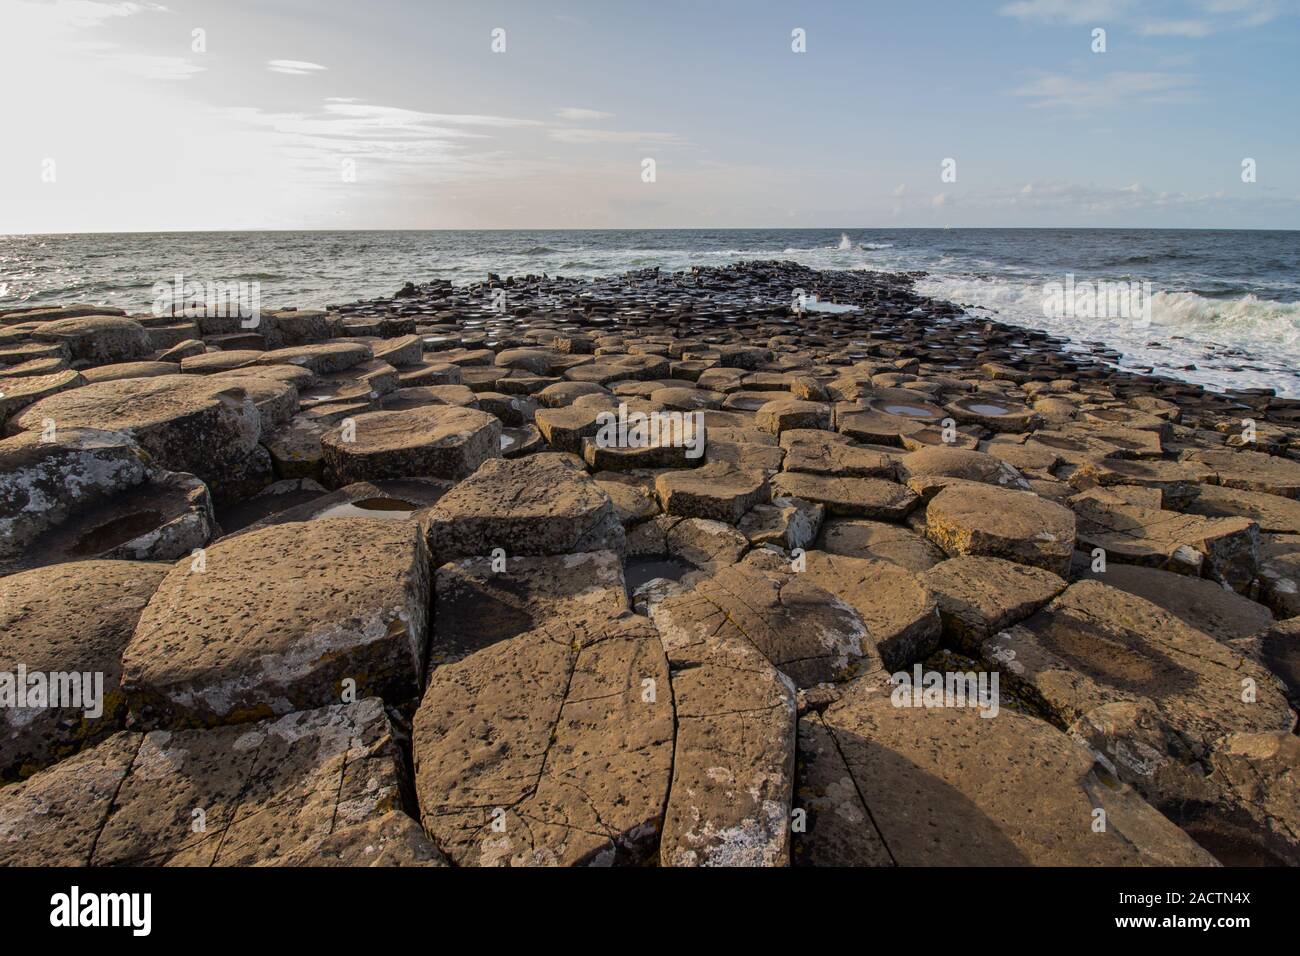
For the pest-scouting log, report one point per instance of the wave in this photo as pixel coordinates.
(1187, 335)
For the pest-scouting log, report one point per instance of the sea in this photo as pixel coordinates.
(1220, 307)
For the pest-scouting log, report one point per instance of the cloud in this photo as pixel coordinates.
(1215, 15)
(1065, 11)
(154, 67)
(575, 114)
(1177, 28)
(294, 67)
(1061, 91)
(565, 134)
(91, 13)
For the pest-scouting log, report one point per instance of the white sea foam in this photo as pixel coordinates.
(1244, 342)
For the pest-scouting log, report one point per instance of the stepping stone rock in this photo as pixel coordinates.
(803, 630)
(553, 748)
(1249, 471)
(540, 504)
(856, 497)
(786, 414)
(972, 518)
(480, 601)
(37, 632)
(733, 764)
(788, 523)
(433, 441)
(899, 785)
(186, 422)
(1204, 605)
(94, 494)
(900, 614)
(863, 538)
(829, 453)
(322, 359)
(979, 596)
(1223, 549)
(720, 492)
(98, 339)
(278, 619)
(1272, 513)
(1138, 684)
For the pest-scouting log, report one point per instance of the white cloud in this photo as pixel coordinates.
(565, 134)
(294, 67)
(1177, 28)
(576, 114)
(1058, 90)
(1065, 11)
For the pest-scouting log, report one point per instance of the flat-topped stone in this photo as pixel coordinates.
(330, 602)
(981, 519)
(431, 441)
(540, 504)
(575, 768)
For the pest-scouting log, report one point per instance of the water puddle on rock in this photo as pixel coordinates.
(370, 508)
(911, 411)
(638, 571)
(984, 408)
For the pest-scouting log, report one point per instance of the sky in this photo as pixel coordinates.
(384, 114)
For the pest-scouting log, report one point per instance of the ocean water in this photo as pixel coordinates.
(1224, 305)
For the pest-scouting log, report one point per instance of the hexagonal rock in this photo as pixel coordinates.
(98, 339)
(17, 393)
(830, 453)
(322, 359)
(865, 497)
(393, 839)
(802, 629)
(979, 596)
(733, 764)
(1249, 471)
(718, 491)
(942, 786)
(971, 518)
(54, 817)
(226, 360)
(37, 608)
(1255, 820)
(540, 504)
(785, 414)
(1205, 605)
(863, 538)
(430, 441)
(553, 748)
(788, 523)
(1138, 684)
(1225, 549)
(479, 602)
(705, 544)
(278, 619)
(924, 470)
(90, 494)
(565, 427)
(1271, 512)
(266, 790)
(900, 614)
(187, 422)
(1177, 482)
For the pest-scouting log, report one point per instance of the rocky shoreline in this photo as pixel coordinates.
(367, 585)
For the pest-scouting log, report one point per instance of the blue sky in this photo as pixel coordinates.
(383, 114)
